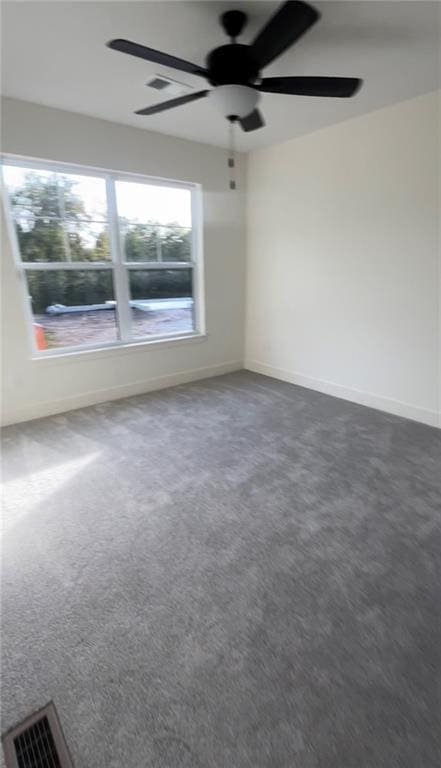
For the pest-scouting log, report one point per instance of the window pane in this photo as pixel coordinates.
(175, 243)
(88, 241)
(155, 221)
(141, 242)
(33, 191)
(40, 239)
(84, 197)
(161, 301)
(58, 216)
(72, 307)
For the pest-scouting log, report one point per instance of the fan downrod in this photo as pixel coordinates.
(233, 23)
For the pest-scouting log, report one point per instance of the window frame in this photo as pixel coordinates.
(116, 264)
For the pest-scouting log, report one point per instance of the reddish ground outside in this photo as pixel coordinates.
(91, 327)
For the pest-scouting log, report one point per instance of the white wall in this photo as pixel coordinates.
(343, 284)
(33, 388)
(343, 262)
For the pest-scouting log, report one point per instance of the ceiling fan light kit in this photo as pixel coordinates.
(234, 70)
(234, 101)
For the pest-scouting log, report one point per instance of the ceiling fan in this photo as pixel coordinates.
(234, 69)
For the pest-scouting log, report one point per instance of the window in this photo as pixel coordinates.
(106, 258)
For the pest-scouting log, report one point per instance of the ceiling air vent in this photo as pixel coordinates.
(169, 86)
(37, 742)
(158, 83)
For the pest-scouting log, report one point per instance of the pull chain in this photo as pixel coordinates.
(232, 156)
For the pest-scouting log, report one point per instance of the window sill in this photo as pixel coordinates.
(115, 350)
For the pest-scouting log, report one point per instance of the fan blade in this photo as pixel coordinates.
(134, 49)
(289, 23)
(164, 105)
(341, 87)
(252, 122)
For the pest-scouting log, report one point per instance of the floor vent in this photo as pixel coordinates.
(37, 742)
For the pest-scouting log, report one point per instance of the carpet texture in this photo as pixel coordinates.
(237, 573)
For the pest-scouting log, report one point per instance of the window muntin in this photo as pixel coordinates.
(95, 251)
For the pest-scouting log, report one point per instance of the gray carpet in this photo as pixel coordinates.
(237, 573)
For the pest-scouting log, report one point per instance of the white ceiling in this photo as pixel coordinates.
(54, 53)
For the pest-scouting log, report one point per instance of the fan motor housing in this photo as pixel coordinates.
(232, 63)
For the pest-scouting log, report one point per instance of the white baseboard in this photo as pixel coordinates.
(395, 407)
(52, 407)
